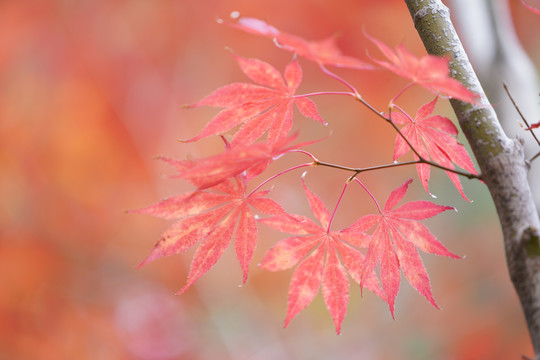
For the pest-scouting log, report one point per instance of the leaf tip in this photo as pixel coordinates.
(143, 263)
(183, 290)
(186, 141)
(286, 323)
(392, 312)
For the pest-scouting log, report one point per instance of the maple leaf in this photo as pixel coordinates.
(323, 259)
(395, 240)
(433, 137)
(212, 217)
(260, 108)
(324, 52)
(533, 126)
(253, 159)
(429, 71)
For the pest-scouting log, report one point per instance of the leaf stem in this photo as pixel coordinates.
(281, 173)
(401, 92)
(325, 93)
(369, 193)
(306, 153)
(337, 204)
(338, 78)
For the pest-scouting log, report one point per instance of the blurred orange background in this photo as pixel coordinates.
(90, 91)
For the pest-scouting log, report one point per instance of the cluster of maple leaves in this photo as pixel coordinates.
(221, 208)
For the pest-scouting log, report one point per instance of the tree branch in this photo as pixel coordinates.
(501, 160)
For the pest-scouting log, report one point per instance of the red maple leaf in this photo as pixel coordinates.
(260, 108)
(431, 72)
(212, 217)
(324, 260)
(323, 52)
(433, 137)
(533, 126)
(253, 159)
(394, 241)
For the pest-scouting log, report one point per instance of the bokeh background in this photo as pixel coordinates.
(91, 91)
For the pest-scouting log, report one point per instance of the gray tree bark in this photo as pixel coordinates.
(501, 160)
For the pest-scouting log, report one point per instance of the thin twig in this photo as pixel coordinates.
(389, 120)
(368, 105)
(522, 118)
(386, 166)
(371, 168)
(400, 133)
(534, 157)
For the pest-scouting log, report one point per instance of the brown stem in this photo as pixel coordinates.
(386, 166)
(520, 114)
(533, 157)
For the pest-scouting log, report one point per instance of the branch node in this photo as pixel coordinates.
(530, 241)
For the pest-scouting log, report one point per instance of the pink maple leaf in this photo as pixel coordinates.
(433, 137)
(394, 242)
(431, 72)
(260, 108)
(323, 260)
(324, 52)
(252, 158)
(213, 217)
